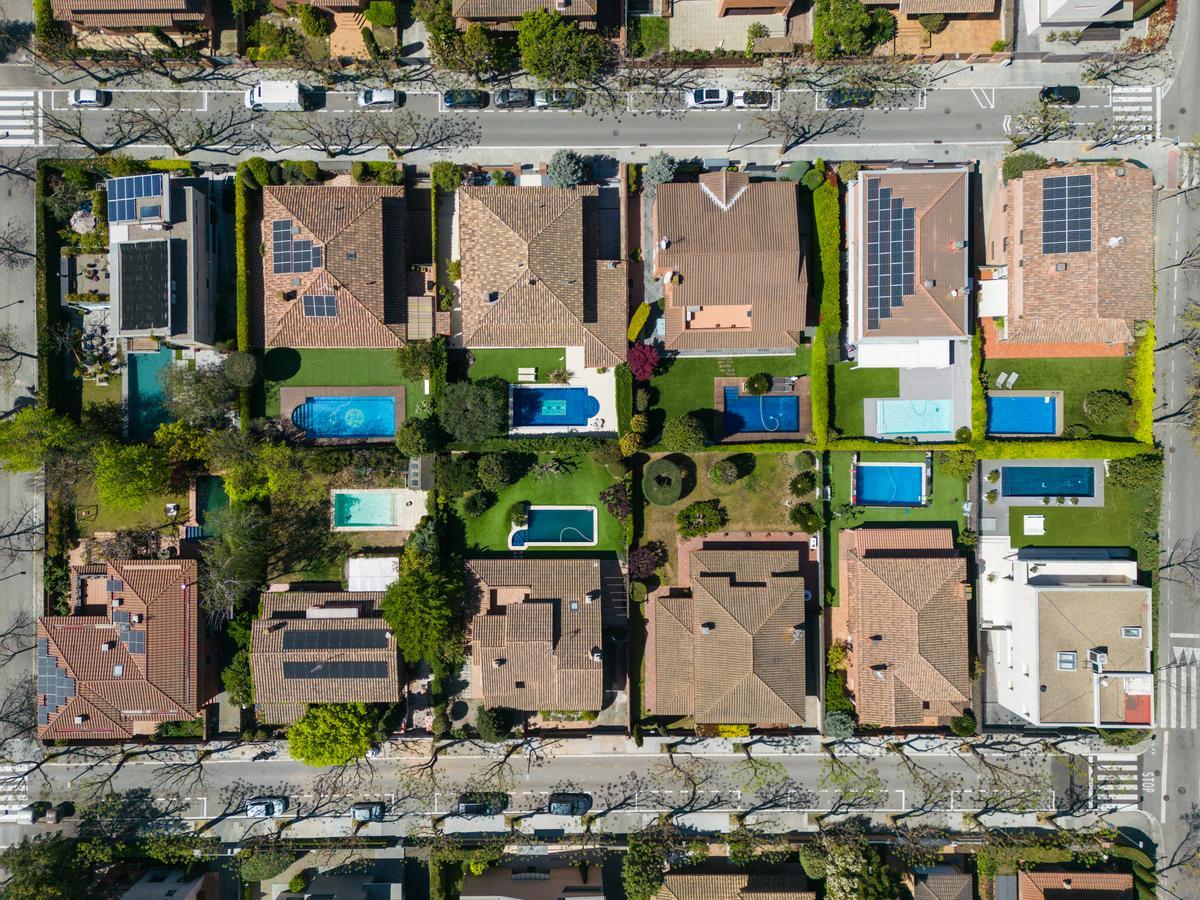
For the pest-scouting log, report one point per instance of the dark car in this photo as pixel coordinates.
(1060, 93)
(569, 804)
(513, 98)
(558, 99)
(481, 803)
(849, 98)
(464, 99)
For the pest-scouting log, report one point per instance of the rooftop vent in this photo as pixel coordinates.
(118, 670)
(1116, 240)
(929, 282)
(80, 719)
(107, 645)
(1060, 267)
(497, 662)
(117, 601)
(592, 597)
(664, 242)
(597, 656)
(797, 633)
(707, 627)
(1120, 171)
(960, 245)
(136, 617)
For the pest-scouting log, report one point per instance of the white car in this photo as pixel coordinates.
(86, 98)
(752, 99)
(707, 98)
(266, 807)
(378, 98)
(367, 812)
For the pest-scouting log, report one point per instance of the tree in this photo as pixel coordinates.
(1017, 164)
(238, 680)
(839, 725)
(201, 396)
(494, 724)
(127, 475)
(796, 121)
(1039, 121)
(964, 725)
(642, 359)
(447, 177)
(1110, 131)
(684, 434)
(288, 478)
(258, 864)
(473, 411)
(423, 607)
(841, 28)
(165, 120)
(723, 471)
(420, 359)
(46, 867)
(555, 50)
(758, 384)
(1137, 473)
(418, 436)
(496, 471)
(79, 128)
(184, 444)
(701, 518)
(234, 562)
(565, 169)
(933, 23)
(34, 433)
(456, 475)
(332, 135)
(643, 866)
(477, 52)
(646, 560)
(333, 734)
(660, 169)
(242, 369)
(235, 455)
(405, 132)
(16, 246)
(381, 13)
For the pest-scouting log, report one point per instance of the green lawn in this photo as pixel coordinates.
(851, 386)
(648, 35)
(1074, 377)
(504, 363)
(334, 368)
(579, 487)
(92, 516)
(93, 393)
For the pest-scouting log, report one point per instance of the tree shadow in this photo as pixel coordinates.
(687, 471)
(280, 364)
(745, 463)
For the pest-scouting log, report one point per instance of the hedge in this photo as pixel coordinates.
(241, 215)
(550, 443)
(827, 219)
(818, 388)
(773, 447)
(1138, 857)
(170, 165)
(624, 379)
(1094, 448)
(1140, 380)
(978, 400)
(637, 321)
(433, 234)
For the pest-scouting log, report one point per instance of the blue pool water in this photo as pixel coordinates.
(551, 525)
(914, 416)
(1022, 415)
(884, 485)
(147, 408)
(550, 406)
(1048, 481)
(753, 415)
(364, 509)
(347, 417)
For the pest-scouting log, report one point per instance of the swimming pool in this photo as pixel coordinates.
(347, 417)
(552, 406)
(889, 484)
(145, 393)
(556, 526)
(914, 416)
(1048, 481)
(210, 497)
(1022, 415)
(755, 415)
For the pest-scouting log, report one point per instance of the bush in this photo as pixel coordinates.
(418, 436)
(615, 498)
(518, 513)
(999, 45)
(447, 177)
(639, 423)
(565, 169)
(474, 411)
(806, 517)
(848, 170)
(805, 461)
(1107, 407)
(839, 725)
(638, 592)
(1140, 380)
(643, 359)
(371, 45)
(660, 169)
(637, 322)
(1017, 164)
(662, 482)
(1137, 473)
(803, 484)
(381, 13)
(630, 443)
(259, 865)
(494, 724)
(963, 435)
(477, 503)
(958, 463)
(298, 883)
(701, 518)
(641, 400)
(883, 26)
(964, 725)
(1076, 431)
(313, 21)
(496, 471)
(644, 561)
(242, 369)
(684, 434)
(440, 726)
(933, 23)
(723, 471)
(836, 698)
(457, 475)
(757, 385)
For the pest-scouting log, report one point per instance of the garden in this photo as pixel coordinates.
(851, 387)
(1096, 399)
(504, 364)
(285, 367)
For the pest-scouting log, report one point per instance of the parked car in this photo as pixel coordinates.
(266, 807)
(367, 812)
(481, 803)
(463, 99)
(513, 98)
(276, 96)
(567, 99)
(569, 804)
(85, 98)
(849, 98)
(752, 99)
(378, 98)
(707, 98)
(1066, 94)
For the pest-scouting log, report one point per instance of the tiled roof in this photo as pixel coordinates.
(129, 13)
(130, 666)
(1074, 886)
(734, 244)
(755, 885)
(950, 7)
(531, 276)
(360, 230)
(281, 699)
(514, 9)
(945, 886)
(545, 642)
(907, 616)
(1101, 293)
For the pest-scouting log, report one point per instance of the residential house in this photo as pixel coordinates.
(1059, 885)
(1068, 637)
(903, 616)
(733, 652)
(505, 15)
(131, 656)
(533, 274)
(908, 282)
(547, 877)
(716, 882)
(943, 882)
(321, 648)
(172, 16)
(536, 641)
(753, 8)
(339, 884)
(335, 270)
(733, 258)
(1078, 14)
(911, 9)
(173, 884)
(1080, 251)
(161, 258)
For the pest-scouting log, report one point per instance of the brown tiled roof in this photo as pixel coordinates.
(361, 232)
(734, 244)
(545, 640)
(534, 250)
(165, 683)
(950, 7)
(907, 614)
(738, 632)
(514, 9)
(281, 700)
(944, 886)
(939, 199)
(129, 13)
(773, 885)
(1074, 886)
(1101, 293)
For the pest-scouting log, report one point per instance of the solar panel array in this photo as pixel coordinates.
(124, 193)
(335, 639)
(320, 305)
(1067, 214)
(891, 254)
(135, 641)
(290, 256)
(339, 668)
(54, 686)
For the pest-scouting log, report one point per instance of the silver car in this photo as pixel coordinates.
(378, 98)
(266, 807)
(367, 812)
(84, 98)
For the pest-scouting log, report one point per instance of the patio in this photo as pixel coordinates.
(695, 25)
(952, 383)
(962, 35)
(600, 385)
(997, 518)
(797, 387)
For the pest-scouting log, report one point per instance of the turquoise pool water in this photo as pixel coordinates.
(556, 525)
(364, 509)
(889, 485)
(143, 374)
(347, 417)
(914, 416)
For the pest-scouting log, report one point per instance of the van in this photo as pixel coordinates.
(276, 96)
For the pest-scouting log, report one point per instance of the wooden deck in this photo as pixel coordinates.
(798, 388)
(291, 397)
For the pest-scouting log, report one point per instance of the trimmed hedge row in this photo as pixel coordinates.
(46, 395)
(624, 380)
(773, 447)
(1141, 385)
(818, 388)
(978, 399)
(637, 322)
(1093, 448)
(241, 215)
(827, 220)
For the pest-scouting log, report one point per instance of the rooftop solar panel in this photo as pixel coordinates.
(320, 305)
(123, 194)
(289, 255)
(335, 639)
(891, 252)
(1067, 214)
(341, 668)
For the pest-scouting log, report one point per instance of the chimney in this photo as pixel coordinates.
(797, 633)
(930, 282)
(117, 601)
(1060, 267)
(107, 645)
(80, 719)
(497, 663)
(597, 656)
(136, 617)
(707, 627)
(592, 597)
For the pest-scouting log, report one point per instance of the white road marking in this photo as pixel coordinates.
(18, 113)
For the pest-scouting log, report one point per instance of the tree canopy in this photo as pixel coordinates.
(554, 49)
(333, 734)
(848, 28)
(199, 396)
(32, 434)
(127, 475)
(473, 411)
(422, 607)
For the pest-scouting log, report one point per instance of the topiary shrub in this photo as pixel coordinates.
(638, 592)
(638, 423)
(1077, 431)
(933, 23)
(630, 443)
(662, 482)
(757, 385)
(803, 484)
(723, 471)
(806, 517)
(684, 434)
(477, 503)
(494, 724)
(242, 369)
(848, 170)
(963, 435)
(701, 518)
(1106, 407)
(641, 400)
(381, 13)
(964, 725)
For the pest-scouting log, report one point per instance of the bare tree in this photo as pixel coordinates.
(332, 135)
(1182, 562)
(406, 132)
(17, 637)
(12, 354)
(76, 128)
(23, 532)
(1127, 67)
(166, 120)
(20, 161)
(1040, 121)
(663, 86)
(797, 121)
(16, 246)
(854, 784)
(1111, 131)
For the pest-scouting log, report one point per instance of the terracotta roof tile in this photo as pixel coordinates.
(514, 9)
(756, 885)
(1074, 886)
(945, 886)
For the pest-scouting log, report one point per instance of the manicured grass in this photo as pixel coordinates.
(504, 363)
(93, 517)
(851, 386)
(580, 486)
(1075, 378)
(652, 33)
(335, 368)
(1073, 526)
(93, 393)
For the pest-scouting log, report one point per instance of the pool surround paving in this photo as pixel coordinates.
(994, 517)
(292, 397)
(781, 386)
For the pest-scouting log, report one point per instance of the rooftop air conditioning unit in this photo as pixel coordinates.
(597, 656)
(107, 645)
(929, 282)
(117, 601)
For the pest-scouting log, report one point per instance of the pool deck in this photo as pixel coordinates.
(601, 385)
(1058, 412)
(780, 387)
(993, 518)
(291, 397)
(409, 507)
(951, 383)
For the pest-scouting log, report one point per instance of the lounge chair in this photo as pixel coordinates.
(527, 374)
(1012, 381)
(1001, 379)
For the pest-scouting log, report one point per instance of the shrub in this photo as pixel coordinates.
(836, 698)
(723, 471)
(641, 400)
(848, 170)
(494, 724)
(992, 496)
(659, 170)
(565, 169)
(638, 592)
(496, 471)
(447, 177)
(474, 411)
(1106, 407)
(477, 503)
(701, 518)
(630, 443)
(838, 725)
(298, 883)
(933, 23)
(964, 725)
(805, 461)
(835, 658)
(371, 45)
(806, 517)
(418, 435)
(615, 498)
(313, 21)
(1140, 380)
(757, 385)
(259, 865)
(643, 359)
(1017, 164)
(999, 45)
(440, 726)
(662, 482)
(639, 423)
(684, 434)
(958, 463)
(637, 322)
(457, 475)
(1076, 431)
(518, 513)
(242, 369)
(883, 26)
(803, 483)
(644, 561)
(260, 169)
(963, 435)
(1137, 473)
(381, 13)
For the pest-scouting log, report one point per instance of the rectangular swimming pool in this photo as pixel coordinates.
(556, 526)
(210, 497)
(914, 416)
(145, 393)
(370, 509)
(552, 406)
(347, 417)
(889, 484)
(1048, 481)
(760, 415)
(1022, 415)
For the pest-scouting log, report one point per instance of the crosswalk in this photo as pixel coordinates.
(1133, 107)
(1179, 689)
(14, 789)
(1114, 781)
(18, 118)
